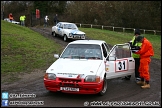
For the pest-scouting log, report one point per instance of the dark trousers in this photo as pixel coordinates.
(55, 22)
(45, 24)
(137, 64)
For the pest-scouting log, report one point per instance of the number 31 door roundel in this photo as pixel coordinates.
(121, 65)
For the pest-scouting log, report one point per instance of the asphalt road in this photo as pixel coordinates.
(120, 92)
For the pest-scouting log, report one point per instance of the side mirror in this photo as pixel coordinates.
(56, 55)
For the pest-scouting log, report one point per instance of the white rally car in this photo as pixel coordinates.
(85, 65)
(67, 31)
(13, 21)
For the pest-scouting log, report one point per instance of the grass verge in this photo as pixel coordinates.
(23, 50)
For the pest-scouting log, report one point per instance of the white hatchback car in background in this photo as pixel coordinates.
(85, 65)
(13, 21)
(68, 31)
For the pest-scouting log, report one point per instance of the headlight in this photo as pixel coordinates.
(50, 76)
(83, 35)
(92, 78)
(70, 34)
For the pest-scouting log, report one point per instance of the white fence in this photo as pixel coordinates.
(122, 29)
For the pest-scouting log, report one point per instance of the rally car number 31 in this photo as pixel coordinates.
(85, 65)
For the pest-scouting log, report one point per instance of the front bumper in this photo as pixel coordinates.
(84, 87)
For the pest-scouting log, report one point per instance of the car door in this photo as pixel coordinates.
(119, 62)
(60, 29)
(56, 28)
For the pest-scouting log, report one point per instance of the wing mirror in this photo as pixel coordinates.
(56, 55)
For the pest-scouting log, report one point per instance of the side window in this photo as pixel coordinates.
(122, 51)
(61, 26)
(104, 51)
(58, 25)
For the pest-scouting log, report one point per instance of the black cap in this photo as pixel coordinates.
(137, 31)
(139, 38)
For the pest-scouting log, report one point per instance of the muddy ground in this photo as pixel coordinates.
(119, 91)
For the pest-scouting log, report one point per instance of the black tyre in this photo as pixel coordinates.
(104, 88)
(127, 77)
(54, 34)
(65, 38)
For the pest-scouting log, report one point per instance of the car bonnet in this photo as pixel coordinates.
(74, 67)
(74, 31)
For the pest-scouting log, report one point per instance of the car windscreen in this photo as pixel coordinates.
(70, 26)
(82, 51)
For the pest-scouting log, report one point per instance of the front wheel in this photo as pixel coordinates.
(65, 38)
(104, 87)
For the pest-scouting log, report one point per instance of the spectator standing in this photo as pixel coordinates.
(46, 21)
(135, 46)
(22, 20)
(145, 52)
(11, 17)
(55, 19)
(136, 57)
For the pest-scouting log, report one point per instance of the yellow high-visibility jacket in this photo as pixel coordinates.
(136, 44)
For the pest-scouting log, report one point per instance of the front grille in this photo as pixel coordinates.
(69, 82)
(76, 37)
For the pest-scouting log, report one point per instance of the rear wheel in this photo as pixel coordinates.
(54, 34)
(127, 77)
(104, 87)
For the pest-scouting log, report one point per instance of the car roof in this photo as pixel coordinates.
(66, 23)
(8, 19)
(99, 42)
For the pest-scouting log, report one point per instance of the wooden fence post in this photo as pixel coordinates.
(134, 30)
(80, 25)
(123, 29)
(91, 25)
(154, 32)
(113, 28)
(102, 27)
(144, 31)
